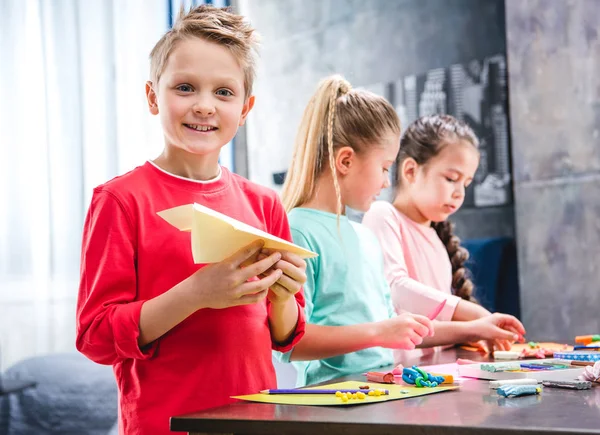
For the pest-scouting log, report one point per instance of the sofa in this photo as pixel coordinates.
(71, 395)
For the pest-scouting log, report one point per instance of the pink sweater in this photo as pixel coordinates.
(417, 266)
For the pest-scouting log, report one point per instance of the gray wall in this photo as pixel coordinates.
(369, 42)
(554, 83)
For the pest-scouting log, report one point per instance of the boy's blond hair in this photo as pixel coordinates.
(218, 25)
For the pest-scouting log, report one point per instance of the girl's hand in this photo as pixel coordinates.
(292, 279)
(405, 331)
(225, 284)
(498, 331)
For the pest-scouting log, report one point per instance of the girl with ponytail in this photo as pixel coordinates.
(424, 262)
(347, 142)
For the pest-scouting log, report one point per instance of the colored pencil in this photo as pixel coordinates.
(597, 348)
(319, 391)
(536, 367)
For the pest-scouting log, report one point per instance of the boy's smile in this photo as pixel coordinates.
(200, 99)
(202, 128)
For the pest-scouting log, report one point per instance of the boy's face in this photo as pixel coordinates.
(200, 97)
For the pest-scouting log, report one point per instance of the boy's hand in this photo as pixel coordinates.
(225, 284)
(498, 331)
(293, 276)
(405, 331)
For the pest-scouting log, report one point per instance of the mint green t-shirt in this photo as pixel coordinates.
(345, 285)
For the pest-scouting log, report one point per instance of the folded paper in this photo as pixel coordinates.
(216, 236)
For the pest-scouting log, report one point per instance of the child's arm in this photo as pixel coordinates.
(110, 323)
(407, 294)
(284, 309)
(285, 299)
(107, 310)
(218, 285)
(502, 329)
(466, 310)
(405, 331)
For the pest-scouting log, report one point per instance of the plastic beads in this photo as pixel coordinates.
(420, 377)
(346, 396)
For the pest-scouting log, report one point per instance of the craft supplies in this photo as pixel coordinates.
(383, 378)
(398, 370)
(506, 355)
(540, 369)
(525, 381)
(396, 392)
(574, 385)
(348, 396)
(536, 367)
(539, 350)
(446, 379)
(420, 377)
(578, 355)
(582, 363)
(588, 347)
(376, 391)
(518, 390)
(501, 367)
(587, 339)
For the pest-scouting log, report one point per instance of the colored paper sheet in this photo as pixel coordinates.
(216, 236)
(397, 392)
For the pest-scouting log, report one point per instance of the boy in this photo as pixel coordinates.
(183, 337)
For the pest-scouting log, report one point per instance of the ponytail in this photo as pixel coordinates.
(314, 142)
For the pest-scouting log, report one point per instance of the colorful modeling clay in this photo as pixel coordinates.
(504, 367)
(587, 339)
(501, 383)
(398, 370)
(420, 377)
(506, 354)
(383, 378)
(573, 385)
(518, 390)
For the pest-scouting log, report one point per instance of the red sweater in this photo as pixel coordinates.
(130, 255)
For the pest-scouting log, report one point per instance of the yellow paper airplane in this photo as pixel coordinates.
(216, 236)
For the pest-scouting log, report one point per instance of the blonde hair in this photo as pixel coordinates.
(336, 116)
(218, 25)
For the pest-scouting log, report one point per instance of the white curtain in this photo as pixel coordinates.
(72, 116)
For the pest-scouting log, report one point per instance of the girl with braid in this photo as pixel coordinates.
(424, 262)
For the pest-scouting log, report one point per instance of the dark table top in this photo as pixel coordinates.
(474, 408)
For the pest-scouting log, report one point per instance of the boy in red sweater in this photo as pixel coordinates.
(184, 337)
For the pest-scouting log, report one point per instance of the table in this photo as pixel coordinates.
(474, 408)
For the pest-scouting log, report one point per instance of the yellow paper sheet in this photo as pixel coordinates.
(396, 393)
(216, 236)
